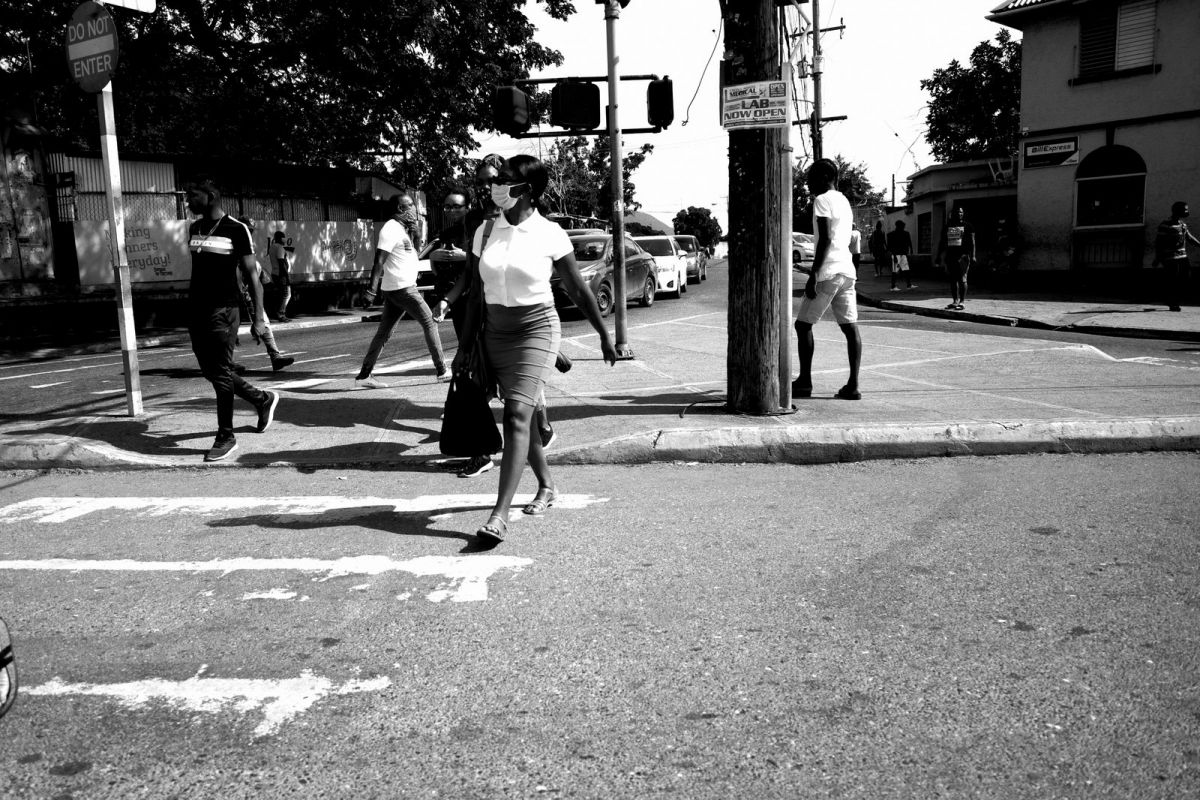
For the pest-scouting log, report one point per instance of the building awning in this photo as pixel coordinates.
(1014, 13)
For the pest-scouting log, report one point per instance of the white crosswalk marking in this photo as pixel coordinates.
(63, 509)
(281, 700)
(466, 576)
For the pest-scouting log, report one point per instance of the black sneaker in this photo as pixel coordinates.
(281, 362)
(562, 363)
(221, 449)
(239, 369)
(266, 411)
(548, 435)
(8, 671)
(475, 467)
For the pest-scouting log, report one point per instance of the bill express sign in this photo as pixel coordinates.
(91, 46)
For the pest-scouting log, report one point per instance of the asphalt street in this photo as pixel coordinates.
(1016, 627)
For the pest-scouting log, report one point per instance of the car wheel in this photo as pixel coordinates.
(683, 281)
(604, 299)
(704, 272)
(647, 298)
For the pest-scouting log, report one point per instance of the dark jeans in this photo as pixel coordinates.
(395, 303)
(1178, 271)
(214, 332)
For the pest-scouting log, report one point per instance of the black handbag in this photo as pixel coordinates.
(468, 427)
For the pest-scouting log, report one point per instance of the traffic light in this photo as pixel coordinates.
(510, 110)
(660, 103)
(575, 105)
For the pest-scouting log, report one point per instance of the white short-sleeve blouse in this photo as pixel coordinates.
(519, 259)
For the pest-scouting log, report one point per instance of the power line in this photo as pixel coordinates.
(688, 113)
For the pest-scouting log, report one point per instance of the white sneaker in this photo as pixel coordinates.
(370, 382)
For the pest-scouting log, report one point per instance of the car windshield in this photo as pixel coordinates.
(589, 248)
(802, 238)
(656, 247)
(687, 244)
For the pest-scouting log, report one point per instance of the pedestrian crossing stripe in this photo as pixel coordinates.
(281, 700)
(47, 510)
(466, 576)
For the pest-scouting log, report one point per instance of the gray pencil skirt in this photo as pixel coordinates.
(521, 343)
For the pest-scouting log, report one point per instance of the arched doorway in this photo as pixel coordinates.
(1110, 209)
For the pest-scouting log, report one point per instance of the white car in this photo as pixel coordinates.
(671, 261)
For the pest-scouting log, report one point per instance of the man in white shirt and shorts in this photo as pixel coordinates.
(831, 282)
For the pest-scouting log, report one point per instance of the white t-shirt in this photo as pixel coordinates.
(519, 260)
(855, 242)
(400, 266)
(834, 207)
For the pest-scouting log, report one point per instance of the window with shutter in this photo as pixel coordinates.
(1135, 34)
(1117, 37)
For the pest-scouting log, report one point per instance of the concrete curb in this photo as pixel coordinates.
(178, 338)
(838, 443)
(1023, 322)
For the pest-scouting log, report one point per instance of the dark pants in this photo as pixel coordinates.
(1178, 271)
(395, 303)
(214, 332)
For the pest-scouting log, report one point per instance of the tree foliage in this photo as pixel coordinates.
(974, 111)
(581, 179)
(360, 84)
(698, 222)
(852, 182)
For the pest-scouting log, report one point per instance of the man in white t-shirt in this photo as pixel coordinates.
(831, 282)
(395, 272)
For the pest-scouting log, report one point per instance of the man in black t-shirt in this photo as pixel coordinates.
(220, 246)
(957, 251)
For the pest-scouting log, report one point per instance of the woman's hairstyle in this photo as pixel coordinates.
(532, 171)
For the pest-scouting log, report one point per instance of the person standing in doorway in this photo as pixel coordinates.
(956, 251)
(831, 282)
(1170, 250)
(879, 249)
(899, 246)
(395, 272)
(221, 247)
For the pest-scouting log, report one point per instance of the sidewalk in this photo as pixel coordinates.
(924, 394)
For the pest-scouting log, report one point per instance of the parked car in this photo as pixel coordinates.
(697, 258)
(671, 260)
(593, 254)
(804, 249)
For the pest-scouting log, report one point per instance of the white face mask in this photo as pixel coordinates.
(502, 196)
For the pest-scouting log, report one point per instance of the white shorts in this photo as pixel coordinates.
(900, 263)
(837, 293)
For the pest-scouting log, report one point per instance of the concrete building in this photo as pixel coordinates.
(985, 189)
(1110, 127)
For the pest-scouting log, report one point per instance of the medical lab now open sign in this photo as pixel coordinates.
(763, 104)
(91, 46)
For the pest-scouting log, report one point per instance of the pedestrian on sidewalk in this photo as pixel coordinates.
(831, 282)
(956, 251)
(395, 272)
(265, 336)
(879, 249)
(899, 245)
(521, 330)
(278, 255)
(221, 247)
(855, 247)
(1170, 250)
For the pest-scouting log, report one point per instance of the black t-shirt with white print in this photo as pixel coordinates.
(217, 249)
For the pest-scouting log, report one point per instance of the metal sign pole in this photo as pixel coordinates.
(116, 237)
(785, 247)
(612, 11)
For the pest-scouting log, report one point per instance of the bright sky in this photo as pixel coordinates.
(872, 75)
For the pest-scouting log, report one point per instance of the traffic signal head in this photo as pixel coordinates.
(510, 110)
(575, 105)
(660, 103)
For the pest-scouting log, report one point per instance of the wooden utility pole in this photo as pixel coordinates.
(817, 68)
(756, 262)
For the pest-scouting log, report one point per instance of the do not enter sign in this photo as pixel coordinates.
(91, 46)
